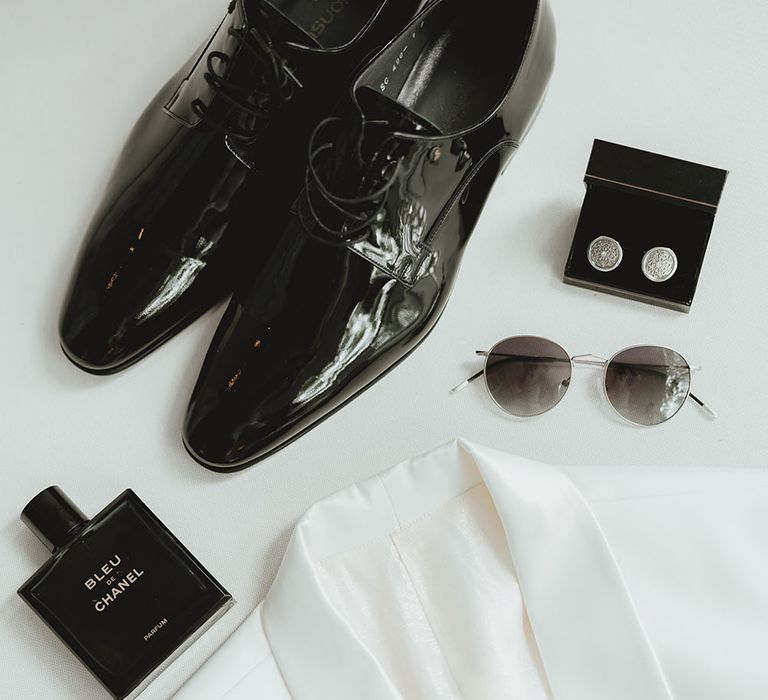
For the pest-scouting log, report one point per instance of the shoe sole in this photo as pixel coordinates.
(149, 349)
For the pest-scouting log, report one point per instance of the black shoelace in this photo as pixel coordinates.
(347, 219)
(253, 102)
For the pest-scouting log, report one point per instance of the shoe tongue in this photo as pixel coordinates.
(377, 106)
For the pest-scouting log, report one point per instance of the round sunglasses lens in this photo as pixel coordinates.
(527, 376)
(647, 385)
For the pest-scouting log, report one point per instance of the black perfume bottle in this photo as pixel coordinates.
(120, 590)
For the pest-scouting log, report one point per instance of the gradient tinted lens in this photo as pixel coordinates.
(647, 385)
(527, 376)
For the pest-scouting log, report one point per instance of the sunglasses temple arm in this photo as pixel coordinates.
(707, 409)
(466, 382)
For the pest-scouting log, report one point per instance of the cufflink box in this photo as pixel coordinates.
(644, 202)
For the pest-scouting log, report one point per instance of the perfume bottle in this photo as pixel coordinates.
(120, 590)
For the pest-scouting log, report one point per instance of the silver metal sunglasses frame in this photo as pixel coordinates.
(588, 360)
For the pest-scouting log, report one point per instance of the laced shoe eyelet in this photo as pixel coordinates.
(435, 154)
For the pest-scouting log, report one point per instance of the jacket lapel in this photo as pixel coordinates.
(591, 641)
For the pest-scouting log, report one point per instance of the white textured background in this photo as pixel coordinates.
(686, 78)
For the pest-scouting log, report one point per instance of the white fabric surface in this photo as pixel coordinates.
(684, 78)
(471, 574)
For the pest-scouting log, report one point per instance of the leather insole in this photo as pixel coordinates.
(331, 23)
(454, 67)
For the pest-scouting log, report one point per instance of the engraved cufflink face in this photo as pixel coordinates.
(605, 254)
(660, 264)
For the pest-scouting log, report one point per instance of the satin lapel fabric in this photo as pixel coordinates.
(591, 640)
(469, 573)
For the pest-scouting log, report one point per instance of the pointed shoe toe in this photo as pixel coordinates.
(129, 297)
(88, 346)
(211, 441)
(239, 407)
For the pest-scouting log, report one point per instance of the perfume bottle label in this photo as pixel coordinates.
(112, 579)
(104, 571)
(155, 629)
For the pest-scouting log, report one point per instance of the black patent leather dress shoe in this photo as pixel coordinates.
(365, 265)
(210, 170)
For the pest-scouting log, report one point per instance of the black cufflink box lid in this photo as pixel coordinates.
(644, 200)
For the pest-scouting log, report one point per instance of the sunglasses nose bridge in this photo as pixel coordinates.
(588, 360)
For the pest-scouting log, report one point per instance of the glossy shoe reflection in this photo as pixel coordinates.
(364, 266)
(207, 176)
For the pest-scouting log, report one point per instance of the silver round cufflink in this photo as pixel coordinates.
(660, 264)
(605, 254)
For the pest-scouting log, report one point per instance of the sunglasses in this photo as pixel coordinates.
(527, 376)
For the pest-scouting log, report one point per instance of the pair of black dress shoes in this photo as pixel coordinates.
(326, 175)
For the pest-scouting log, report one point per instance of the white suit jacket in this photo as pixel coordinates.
(472, 574)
